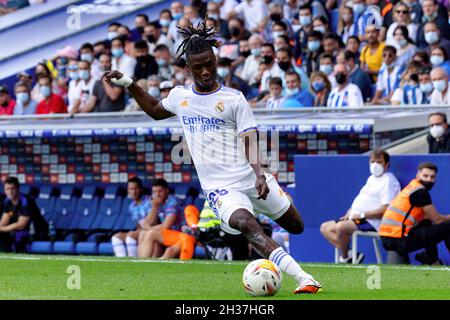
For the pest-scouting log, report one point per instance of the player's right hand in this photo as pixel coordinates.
(117, 78)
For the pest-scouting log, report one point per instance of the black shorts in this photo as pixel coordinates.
(361, 224)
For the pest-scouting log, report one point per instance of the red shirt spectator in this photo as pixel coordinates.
(52, 104)
(6, 103)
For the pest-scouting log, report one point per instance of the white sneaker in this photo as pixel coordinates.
(308, 286)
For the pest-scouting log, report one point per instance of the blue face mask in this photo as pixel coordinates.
(45, 91)
(117, 52)
(23, 97)
(436, 60)
(305, 20)
(318, 85)
(177, 16)
(276, 34)
(112, 35)
(326, 68)
(256, 52)
(213, 16)
(321, 29)
(291, 92)
(86, 57)
(84, 74)
(431, 37)
(154, 92)
(164, 22)
(426, 87)
(358, 7)
(223, 72)
(313, 45)
(160, 62)
(74, 75)
(440, 85)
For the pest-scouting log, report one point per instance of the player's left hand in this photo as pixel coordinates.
(262, 187)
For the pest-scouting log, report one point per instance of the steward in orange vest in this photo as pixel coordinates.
(411, 222)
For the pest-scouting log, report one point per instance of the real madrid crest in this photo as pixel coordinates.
(220, 106)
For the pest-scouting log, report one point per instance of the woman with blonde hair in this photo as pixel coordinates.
(402, 17)
(321, 86)
(346, 26)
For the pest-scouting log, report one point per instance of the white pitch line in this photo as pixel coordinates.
(115, 260)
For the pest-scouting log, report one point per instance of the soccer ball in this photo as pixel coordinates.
(262, 278)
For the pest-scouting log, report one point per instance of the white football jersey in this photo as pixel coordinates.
(213, 124)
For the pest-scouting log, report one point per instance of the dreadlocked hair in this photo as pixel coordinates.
(197, 39)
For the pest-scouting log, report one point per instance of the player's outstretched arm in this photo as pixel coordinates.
(149, 104)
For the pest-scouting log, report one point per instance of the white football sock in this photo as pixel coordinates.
(131, 246)
(118, 247)
(287, 264)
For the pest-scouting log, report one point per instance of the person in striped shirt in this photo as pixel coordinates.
(345, 94)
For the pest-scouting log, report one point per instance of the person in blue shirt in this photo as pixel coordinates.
(439, 59)
(24, 104)
(293, 90)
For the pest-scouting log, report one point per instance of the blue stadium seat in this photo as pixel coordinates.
(86, 209)
(65, 207)
(109, 209)
(199, 202)
(124, 221)
(64, 247)
(181, 192)
(86, 247)
(29, 190)
(199, 252)
(46, 202)
(42, 247)
(105, 249)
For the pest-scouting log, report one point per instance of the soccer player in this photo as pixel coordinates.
(220, 129)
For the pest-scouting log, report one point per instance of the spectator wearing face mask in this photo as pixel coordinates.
(367, 208)
(326, 67)
(87, 54)
(51, 102)
(226, 77)
(275, 24)
(132, 105)
(345, 94)
(176, 10)
(24, 104)
(412, 222)
(112, 31)
(230, 48)
(74, 80)
(105, 97)
(163, 60)
(315, 49)
(6, 103)
(293, 90)
(145, 63)
(85, 87)
(431, 14)
(388, 78)
(140, 21)
(439, 59)
(425, 84)
(120, 60)
(152, 34)
(272, 69)
(306, 26)
(180, 70)
(434, 39)
(404, 45)
(441, 92)
(320, 24)
(346, 25)
(356, 75)
(165, 19)
(214, 12)
(286, 63)
(439, 137)
(164, 89)
(321, 86)
(250, 68)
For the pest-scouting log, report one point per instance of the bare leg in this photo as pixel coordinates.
(328, 230)
(291, 221)
(344, 230)
(172, 252)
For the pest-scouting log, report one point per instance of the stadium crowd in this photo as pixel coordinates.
(280, 54)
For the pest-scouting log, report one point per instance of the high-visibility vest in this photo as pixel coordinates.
(207, 217)
(401, 216)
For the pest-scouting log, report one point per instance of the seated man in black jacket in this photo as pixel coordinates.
(439, 137)
(17, 214)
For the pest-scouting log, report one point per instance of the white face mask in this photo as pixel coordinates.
(437, 131)
(376, 169)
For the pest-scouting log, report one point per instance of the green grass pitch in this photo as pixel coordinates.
(46, 277)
